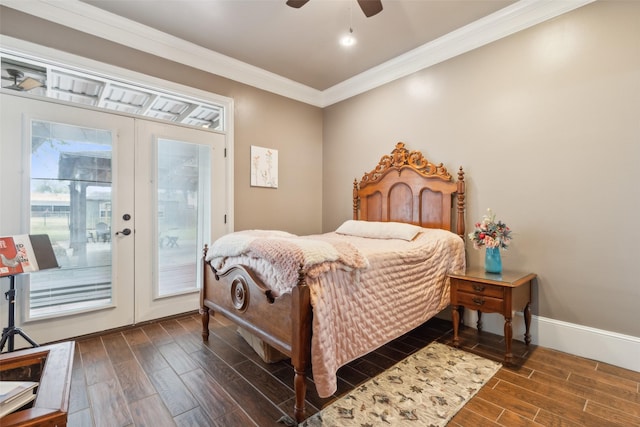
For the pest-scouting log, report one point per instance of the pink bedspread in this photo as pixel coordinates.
(357, 310)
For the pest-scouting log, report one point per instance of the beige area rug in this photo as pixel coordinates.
(426, 389)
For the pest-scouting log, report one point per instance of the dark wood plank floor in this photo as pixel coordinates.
(161, 374)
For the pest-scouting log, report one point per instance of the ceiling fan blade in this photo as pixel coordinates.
(30, 83)
(370, 7)
(296, 3)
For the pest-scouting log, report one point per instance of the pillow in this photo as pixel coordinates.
(379, 230)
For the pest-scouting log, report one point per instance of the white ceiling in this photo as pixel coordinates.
(302, 44)
(295, 52)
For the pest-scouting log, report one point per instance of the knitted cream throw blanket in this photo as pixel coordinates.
(288, 253)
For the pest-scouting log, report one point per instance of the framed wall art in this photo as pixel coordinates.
(264, 167)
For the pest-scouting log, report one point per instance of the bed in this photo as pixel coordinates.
(407, 228)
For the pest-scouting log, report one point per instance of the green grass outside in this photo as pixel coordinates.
(57, 227)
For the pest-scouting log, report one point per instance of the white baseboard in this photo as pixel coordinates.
(597, 344)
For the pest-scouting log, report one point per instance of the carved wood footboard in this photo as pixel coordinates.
(239, 295)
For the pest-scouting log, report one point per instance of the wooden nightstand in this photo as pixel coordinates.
(492, 293)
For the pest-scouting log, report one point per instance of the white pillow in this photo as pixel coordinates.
(379, 230)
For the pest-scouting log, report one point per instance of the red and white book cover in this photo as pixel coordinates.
(25, 253)
(10, 262)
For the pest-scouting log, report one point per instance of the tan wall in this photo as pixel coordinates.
(547, 126)
(261, 118)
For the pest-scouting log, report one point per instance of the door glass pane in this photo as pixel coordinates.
(183, 177)
(71, 202)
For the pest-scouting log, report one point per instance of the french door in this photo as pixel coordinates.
(180, 187)
(127, 205)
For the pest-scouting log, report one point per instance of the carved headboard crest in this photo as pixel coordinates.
(424, 194)
(401, 157)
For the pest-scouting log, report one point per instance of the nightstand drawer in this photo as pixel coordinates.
(480, 302)
(481, 288)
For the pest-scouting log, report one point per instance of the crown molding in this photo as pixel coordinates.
(83, 17)
(91, 20)
(512, 19)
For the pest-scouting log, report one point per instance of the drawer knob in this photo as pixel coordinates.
(478, 288)
(478, 301)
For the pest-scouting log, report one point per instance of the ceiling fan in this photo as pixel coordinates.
(369, 7)
(26, 84)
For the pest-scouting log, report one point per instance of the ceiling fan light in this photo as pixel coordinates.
(348, 40)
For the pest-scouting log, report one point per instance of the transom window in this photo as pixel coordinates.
(82, 87)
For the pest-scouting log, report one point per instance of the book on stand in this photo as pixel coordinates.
(9, 262)
(15, 394)
(25, 253)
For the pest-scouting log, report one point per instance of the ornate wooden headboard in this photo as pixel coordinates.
(406, 187)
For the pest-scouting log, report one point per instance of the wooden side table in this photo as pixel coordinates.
(492, 293)
(49, 365)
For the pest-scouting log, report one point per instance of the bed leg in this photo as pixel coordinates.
(301, 345)
(204, 313)
(300, 387)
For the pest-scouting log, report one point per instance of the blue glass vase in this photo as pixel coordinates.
(492, 260)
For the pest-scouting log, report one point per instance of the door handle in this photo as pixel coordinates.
(126, 232)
